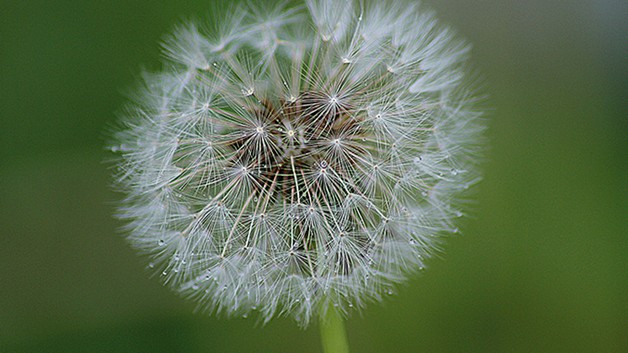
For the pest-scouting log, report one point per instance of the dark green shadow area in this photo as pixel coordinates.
(149, 336)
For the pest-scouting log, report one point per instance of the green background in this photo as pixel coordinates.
(541, 267)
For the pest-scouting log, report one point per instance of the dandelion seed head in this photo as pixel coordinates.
(296, 157)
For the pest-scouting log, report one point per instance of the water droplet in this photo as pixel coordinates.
(248, 91)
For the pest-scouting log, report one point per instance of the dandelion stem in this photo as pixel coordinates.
(333, 334)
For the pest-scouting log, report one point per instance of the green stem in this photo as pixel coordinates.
(333, 334)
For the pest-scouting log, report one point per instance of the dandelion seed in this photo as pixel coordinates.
(277, 169)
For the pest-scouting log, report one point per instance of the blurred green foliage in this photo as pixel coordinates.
(542, 267)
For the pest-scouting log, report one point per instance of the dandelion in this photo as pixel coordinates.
(297, 159)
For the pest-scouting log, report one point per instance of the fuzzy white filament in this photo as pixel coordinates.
(298, 157)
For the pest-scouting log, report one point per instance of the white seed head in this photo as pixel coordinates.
(294, 158)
